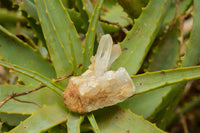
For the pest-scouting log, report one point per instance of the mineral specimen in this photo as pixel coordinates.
(97, 87)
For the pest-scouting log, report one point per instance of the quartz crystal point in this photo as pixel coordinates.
(97, 87)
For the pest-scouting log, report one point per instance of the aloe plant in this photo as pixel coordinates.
(67, 36)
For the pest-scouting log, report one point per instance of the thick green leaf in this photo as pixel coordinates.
(83, 14)
(34, 75)
(7, 17)
(183, 5)
(153, 80)
(112, 12)
(58, 129)
(116, 15)
(29, 11)
(29, 7)
(167, 53)
(54, 27)
(141, 36)
(59, 58)
(161, 116)
(12, 119)
(117, 120)
(1, 127)
(88, 7)
(132, 7)
(93, 123)
(144, 104)
(163, 111)
(14, 51)
(78, 22)
(90, 36)
(192, 52)
(63, 24)
(73, 122)
(165, 57)
(40, 97)
(48, 116)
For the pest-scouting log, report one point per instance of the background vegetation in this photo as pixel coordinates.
(44, 40)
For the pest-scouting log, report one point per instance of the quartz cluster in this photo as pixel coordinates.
(97, 87)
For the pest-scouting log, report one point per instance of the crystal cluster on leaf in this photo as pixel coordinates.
(97, 87)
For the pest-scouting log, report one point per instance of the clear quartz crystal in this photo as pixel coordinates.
(97, 87)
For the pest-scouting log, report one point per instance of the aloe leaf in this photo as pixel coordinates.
(12, 119)
(34, 75)
(117, 120)
(40, 97)
(133, 8)
(152, 80)
(49, 117)
(29, 7)
(55, 27)
(88, 7)
(165, 56)
(64, 26)
(183, 5)
(90, 36)
(192, 53)
(167, 53)
(139, 39)
(29, 11)
(7, 17)
(61, 64)
(115, 14)
(58, 129)
(14, 51)
(78, 22)
(36, 27)
(93, 123)
(160, 115)
(73, 122)
(1, 127)
(83, 13)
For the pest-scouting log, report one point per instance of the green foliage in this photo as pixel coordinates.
(73, 122)
(68, 31)
(57, 35)
(133, 8)
(16, 52)
(190, 59)
(14, 107)
(118, 120)
(114, 14)
(90, 36)
(93, 123)
(12, 119)
(146, 29)
(161, 60)
(49, 115)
